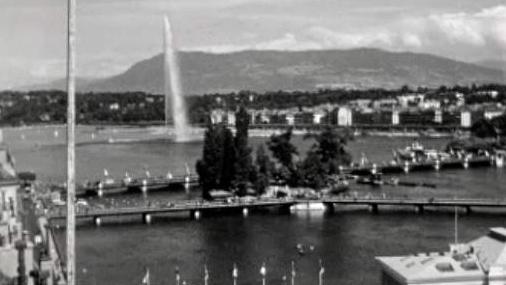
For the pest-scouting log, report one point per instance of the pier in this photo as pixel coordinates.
(427, 165)
(143, 184)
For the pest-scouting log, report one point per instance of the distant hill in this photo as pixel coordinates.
(498, 64)
(60, 84)
(299, 70)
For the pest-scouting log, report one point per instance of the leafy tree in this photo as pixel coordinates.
(282, 149)
(500, 125)
(405, 89)
(331, 147)
(313, 172)
(324, 158)
(483, 128)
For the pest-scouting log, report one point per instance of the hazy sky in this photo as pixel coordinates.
(113, 34)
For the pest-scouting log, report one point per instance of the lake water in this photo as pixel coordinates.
(347, 241)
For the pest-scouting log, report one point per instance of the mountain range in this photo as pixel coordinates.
(295, 70)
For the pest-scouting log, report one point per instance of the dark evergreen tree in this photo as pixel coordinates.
(264, 170)
(244, 170)
(228, 161)
(209, 167)
(313, 172)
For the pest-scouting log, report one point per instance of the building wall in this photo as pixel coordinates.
(8, 198)
(465, 119)
(395, 118)
(9, 261)
(344, 117)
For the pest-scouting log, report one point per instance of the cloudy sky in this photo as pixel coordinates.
(113, 34)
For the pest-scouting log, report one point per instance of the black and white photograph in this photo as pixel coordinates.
(252, 142)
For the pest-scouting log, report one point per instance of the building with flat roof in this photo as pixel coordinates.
(481, 261)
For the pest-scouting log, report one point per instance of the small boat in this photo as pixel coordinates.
(372, 179)
(338, 184)
(416, 152)
(308, 206)
(431, 133)
(104, 186)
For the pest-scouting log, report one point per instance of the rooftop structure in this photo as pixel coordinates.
(481, 261)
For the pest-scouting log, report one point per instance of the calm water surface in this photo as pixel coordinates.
(346, 241)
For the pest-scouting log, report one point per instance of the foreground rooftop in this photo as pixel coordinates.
(480, 261)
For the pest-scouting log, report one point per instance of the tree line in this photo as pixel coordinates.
(33, 107)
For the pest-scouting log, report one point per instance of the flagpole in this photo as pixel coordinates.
(235, 274)
(263, 272)
(320, 274)
(71, 66)
(206, 275)
(146, 280)
(178, 278)
(293, 273)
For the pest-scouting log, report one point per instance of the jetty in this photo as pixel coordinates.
(426, 165)
(108, 185)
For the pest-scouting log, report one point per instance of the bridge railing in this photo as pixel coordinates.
(189, 205)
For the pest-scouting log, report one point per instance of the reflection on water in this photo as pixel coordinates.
(346, 241)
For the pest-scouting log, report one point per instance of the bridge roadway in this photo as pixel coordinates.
(196, 207)
(418, 203)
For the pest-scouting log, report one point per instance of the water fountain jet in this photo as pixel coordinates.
(174, 105)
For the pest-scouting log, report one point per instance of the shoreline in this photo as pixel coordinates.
(254, 132)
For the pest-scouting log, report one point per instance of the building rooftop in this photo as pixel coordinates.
(475, 261)
(434, 267)
(491, 249)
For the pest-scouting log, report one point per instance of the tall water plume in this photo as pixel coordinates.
(172, 87)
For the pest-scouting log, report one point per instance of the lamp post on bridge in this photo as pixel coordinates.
(263, 272)
(235, 274)
(178, 277)
(206, 275)
(320, 273)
